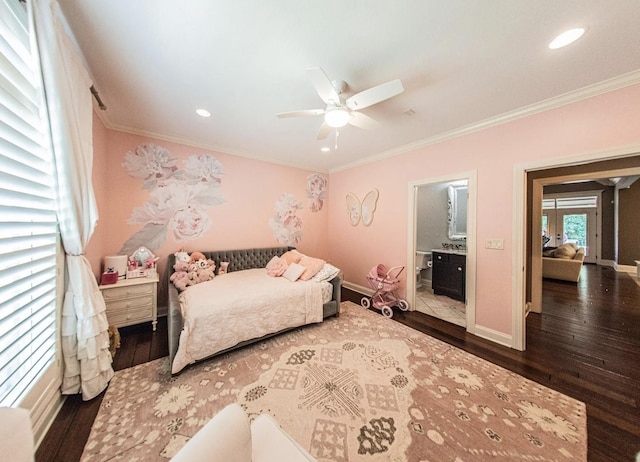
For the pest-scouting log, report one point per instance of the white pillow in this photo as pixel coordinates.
(294, 271)
(326, 273)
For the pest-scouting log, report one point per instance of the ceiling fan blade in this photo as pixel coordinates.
(323, 132)
(361, 120)
(323, 86)
(303, 113)
(375, 95)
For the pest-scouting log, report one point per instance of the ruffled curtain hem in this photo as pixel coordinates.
(90, 388)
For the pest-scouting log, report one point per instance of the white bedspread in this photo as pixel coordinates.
(239, 306)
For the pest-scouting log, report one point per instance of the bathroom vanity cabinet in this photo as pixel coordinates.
(448, 277)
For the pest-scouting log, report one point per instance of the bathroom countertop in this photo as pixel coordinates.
(453, 251)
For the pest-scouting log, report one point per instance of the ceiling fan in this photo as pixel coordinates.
(340, 112)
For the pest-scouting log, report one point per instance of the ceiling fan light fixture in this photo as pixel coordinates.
(337, 117)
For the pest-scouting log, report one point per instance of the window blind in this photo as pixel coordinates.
(28, 224)
(577, 202)
(580, 202)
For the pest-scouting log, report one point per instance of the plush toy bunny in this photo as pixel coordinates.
(182, 256)
(180, 278)
(224, 266)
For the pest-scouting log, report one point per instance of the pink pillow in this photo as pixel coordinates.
(276, 267)
(272, 262)
(291, 257)
(312, 266)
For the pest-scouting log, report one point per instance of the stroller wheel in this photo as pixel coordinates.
(365, 302)
(403, 305)
(387, 311)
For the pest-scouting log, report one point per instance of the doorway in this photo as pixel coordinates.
(436, 207)
(528, 181)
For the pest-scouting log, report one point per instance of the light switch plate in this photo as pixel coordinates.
(495, 244)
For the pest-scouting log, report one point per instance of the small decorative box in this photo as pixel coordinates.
(109, 278)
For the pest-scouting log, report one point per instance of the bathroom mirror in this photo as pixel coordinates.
(457, 213)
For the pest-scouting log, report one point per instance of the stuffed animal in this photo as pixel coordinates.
(192, 273)
(205, 273)
(205, 269)
(180, 276)
(224, 266)
(114, 339)
(195, 256)
(182, 256)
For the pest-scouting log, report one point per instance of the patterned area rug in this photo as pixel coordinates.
(355, 388)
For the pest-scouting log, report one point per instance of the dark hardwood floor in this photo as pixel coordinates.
(586, 344)
(69, 432)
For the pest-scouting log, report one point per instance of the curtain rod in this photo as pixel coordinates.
(94, 92)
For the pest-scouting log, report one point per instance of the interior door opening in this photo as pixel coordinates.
(441, 246)
(528, 288)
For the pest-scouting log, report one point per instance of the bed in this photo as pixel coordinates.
(250, 297)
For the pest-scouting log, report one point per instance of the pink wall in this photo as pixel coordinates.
(605, 122)
(96, 247)
(250, 188)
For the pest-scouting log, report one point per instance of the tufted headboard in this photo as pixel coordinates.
(239, 259)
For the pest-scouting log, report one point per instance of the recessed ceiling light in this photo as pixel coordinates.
(203, 113)
(325, 149)
(567, 37)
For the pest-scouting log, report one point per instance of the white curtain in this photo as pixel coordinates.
(85, 340)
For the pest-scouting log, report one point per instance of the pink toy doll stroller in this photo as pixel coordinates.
(384, 282)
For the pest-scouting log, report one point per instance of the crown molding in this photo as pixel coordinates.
(591, 91)
(208, 147)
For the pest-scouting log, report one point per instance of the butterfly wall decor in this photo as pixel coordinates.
(362, 211)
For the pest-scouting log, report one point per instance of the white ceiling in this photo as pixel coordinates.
(461, 62)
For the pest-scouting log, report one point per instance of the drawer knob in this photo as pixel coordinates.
(459, 268)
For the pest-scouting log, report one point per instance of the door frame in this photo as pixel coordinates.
(470, 285)
(521, 228)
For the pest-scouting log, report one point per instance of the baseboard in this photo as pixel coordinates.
(358, 288)
(483, 332)
(609, 263)
(626, 268)
(493, 335)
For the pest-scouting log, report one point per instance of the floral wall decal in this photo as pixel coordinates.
(316, 189)
(286, 225)
(179, 197)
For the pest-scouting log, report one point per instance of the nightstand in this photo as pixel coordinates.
(132, 301)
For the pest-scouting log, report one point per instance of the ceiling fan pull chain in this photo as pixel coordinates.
(336, 146)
